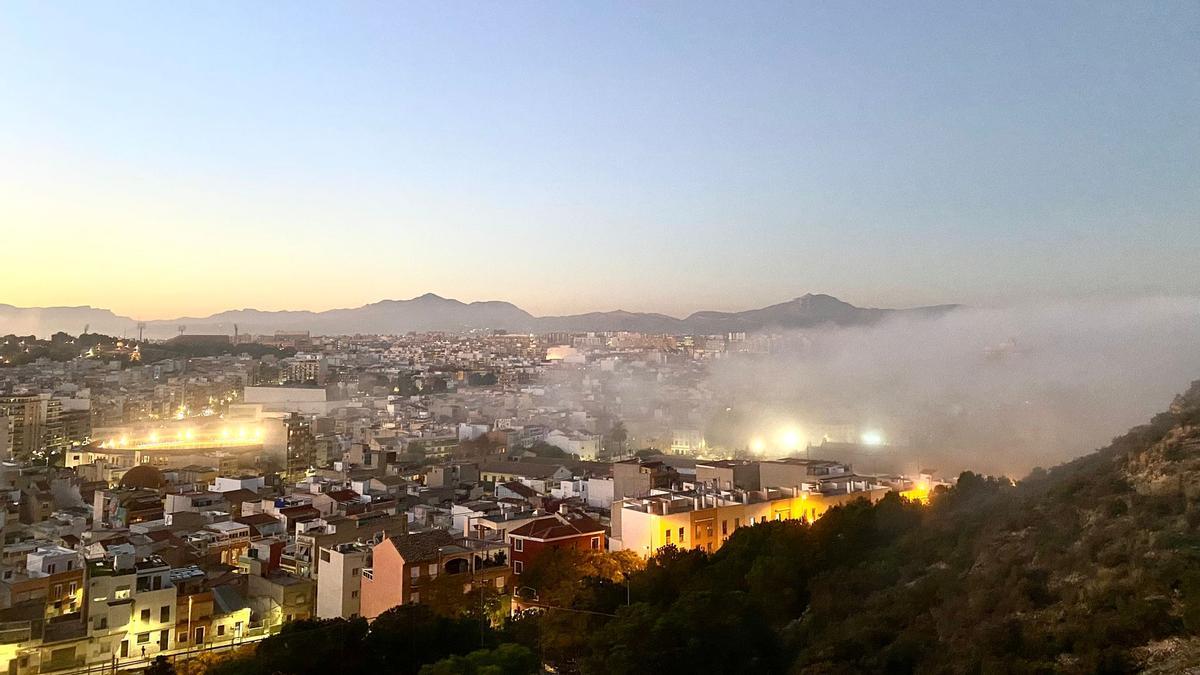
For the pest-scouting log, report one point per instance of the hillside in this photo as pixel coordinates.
(1090, 567)
(431, 312)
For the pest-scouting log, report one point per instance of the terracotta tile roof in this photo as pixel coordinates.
(257, 519)
(421, 546)
(558, 526)
(520, 489)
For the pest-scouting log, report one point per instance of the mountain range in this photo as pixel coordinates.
(431, 312)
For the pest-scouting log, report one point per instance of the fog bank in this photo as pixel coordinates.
(998, 390)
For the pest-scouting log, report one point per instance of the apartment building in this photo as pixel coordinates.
(339, 580)
(705, 518)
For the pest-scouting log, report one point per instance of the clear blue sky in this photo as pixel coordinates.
(177, 158)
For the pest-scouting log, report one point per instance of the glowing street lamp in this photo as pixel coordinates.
(790, 439)
(871, 438)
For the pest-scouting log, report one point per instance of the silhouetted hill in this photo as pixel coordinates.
(430, 312)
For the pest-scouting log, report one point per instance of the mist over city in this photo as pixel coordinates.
(1000, 390)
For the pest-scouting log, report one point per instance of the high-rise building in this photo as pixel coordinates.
(301, 447)
(5, 436)
(36, 426)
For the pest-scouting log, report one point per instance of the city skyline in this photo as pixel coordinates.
(655, 160)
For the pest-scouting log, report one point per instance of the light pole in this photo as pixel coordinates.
(191, 637)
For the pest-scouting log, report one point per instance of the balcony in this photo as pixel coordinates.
(368, 573)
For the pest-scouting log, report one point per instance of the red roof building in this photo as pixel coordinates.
(566, 529)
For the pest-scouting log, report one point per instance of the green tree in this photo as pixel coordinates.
(506, 659)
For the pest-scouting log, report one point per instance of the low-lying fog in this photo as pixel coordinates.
(994, 390)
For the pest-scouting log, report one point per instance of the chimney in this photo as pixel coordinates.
(563, 509)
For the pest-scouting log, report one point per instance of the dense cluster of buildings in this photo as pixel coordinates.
(188, 504)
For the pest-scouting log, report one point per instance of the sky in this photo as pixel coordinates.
(167, 159)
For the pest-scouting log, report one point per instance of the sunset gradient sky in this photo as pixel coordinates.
(166, 159)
